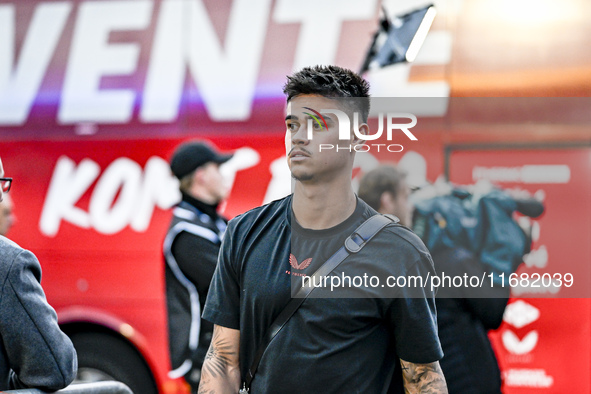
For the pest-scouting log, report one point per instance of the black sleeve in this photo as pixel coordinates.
(39, 353)
(197, 258)
(223, 300)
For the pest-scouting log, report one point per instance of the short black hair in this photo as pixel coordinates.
(385, 178)
(331, 82)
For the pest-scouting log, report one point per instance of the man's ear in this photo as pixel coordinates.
(363, 130)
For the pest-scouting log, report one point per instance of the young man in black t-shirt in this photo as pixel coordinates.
(331, 344)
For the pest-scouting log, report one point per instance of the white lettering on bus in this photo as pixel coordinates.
(320, 23)
(123, 195)
(19, 86)
(226, 75)
(93, 57)
(225, 71)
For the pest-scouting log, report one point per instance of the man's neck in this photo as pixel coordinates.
(208, 209)
(322, 206)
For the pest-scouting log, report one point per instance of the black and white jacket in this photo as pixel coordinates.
(190, 250)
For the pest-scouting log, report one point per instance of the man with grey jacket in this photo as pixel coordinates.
(34, 352)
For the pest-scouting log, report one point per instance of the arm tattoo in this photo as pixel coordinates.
(220, 372)
(423, 378)
(218, 356)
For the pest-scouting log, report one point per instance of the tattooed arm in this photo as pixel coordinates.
(423, 378)
(220, 372)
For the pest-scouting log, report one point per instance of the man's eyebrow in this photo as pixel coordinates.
(295, 117)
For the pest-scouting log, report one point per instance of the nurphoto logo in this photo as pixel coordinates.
(385, 122)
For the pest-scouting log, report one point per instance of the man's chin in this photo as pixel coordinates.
(302, 177)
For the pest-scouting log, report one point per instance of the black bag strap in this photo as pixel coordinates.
(353, 244)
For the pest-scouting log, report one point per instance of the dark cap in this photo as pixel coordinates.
(191, 155)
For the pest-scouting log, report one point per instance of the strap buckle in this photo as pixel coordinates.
(354, 243)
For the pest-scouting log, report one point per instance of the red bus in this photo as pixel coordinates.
(95, 96)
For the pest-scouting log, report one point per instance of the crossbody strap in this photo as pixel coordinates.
(353, 244)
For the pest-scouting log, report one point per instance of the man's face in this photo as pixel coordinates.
(6, 216)
(1, 175)
(213, 181)
(403, 207)
(406, 208)
(305, 158)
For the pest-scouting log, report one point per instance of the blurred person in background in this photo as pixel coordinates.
(469, 362)
(191, 249)
(385, 189)
(7, 217)
(34, 352)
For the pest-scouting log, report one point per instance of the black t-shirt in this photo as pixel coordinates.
(330, 344)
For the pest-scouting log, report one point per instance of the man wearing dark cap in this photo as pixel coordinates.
(190, 251)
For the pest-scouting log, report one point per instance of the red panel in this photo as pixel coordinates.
(545, 343)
